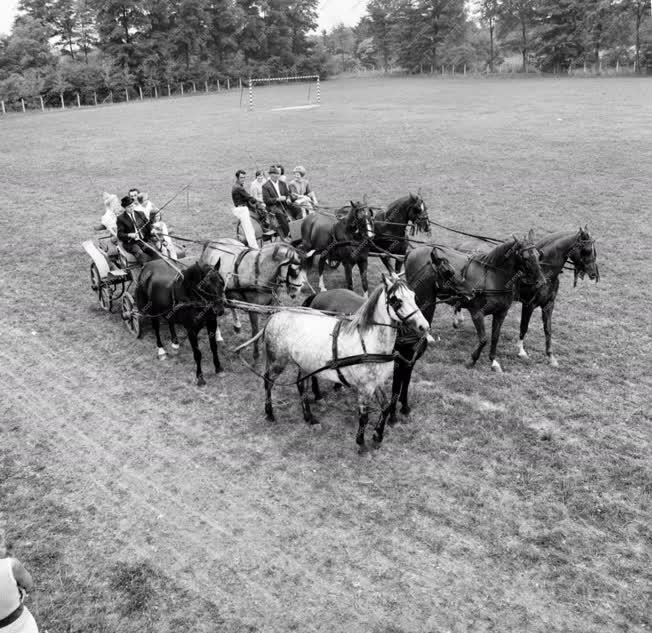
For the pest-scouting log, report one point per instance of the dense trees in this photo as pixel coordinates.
(86, 46)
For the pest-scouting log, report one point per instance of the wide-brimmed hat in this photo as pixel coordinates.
(273, 170)
(300, 170)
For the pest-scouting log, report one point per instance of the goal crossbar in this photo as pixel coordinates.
(259, 80)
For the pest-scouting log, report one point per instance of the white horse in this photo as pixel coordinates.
(312, 341)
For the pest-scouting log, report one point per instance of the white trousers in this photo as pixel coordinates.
(242, 213)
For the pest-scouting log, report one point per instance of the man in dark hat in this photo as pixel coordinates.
(135, 232)
(276, 196)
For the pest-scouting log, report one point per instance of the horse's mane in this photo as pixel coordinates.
(498, 254)
(363, 318)
(549, 239)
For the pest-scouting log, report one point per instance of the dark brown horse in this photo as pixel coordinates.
(495, 276)
(345, 240)
(429, 277)
(390, 225)
(556, 249)
(194, 298)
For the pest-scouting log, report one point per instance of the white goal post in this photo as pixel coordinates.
(261, 80)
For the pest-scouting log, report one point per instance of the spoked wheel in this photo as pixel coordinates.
(130, 315)
(104, 294)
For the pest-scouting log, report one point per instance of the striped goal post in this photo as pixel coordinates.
(260, 80)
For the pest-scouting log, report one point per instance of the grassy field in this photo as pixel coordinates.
(508, 503)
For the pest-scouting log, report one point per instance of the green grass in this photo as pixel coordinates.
(515, 502)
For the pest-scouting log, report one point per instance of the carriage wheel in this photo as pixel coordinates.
(104, 297)
(130, 315)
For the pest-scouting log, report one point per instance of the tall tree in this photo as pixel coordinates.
(517, 21)
(380, 19)
(489, 13)
(560, 33)
(639, 9)
(119, 23)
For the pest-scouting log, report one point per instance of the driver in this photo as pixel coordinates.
(135, 232)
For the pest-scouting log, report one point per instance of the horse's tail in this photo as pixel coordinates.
(309, 300)
(251, 341)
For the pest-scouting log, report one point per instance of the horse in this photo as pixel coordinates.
(427, 280)
(556, 249)
(256, 275)
(495, 276)
(194, 298)
(313, 342)
(390, 227)
(345, 240)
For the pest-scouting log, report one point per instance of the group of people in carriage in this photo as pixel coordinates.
(272, 201)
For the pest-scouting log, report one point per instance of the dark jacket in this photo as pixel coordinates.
(270, 197)
(126, 225)
(241, 198)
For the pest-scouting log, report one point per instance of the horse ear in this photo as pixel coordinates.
(353, 204)
(218, 263)
(412, 196)
(515, 238)
(434, 258)
(387, 281)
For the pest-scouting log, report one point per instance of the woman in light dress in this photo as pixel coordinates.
(15, 582)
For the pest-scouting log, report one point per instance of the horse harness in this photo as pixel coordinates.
(265, 288)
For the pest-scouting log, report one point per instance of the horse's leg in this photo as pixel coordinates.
(526, 314)
(253, 319)
(397, 382)
(211, 328)
(407, 377)
(315, 388)
(363, 418)
(398, 265)
(305, 405)
(321, 267)
(192, 337)
(272, 371)
(478, 320)
(157, 331)
(546, 315)
(173, 334)
(362, 267)
(496, 325)
(458, 317)
(348, 274)
(387, 262)
(237, 325)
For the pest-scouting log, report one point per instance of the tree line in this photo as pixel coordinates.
(63, 47)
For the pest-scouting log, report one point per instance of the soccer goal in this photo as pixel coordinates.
(285, 93)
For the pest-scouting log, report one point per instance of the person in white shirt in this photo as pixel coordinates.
(256, 187)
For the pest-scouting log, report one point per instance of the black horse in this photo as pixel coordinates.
(345, 240)
(194, 298)
(390, 225)
(435, 276)
(556, 249)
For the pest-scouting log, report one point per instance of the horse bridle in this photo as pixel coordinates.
(421, 215)
(395, 303)
(210, 298)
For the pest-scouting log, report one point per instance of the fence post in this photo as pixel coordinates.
(453, 70)
(42, 106)
(617, 66)
(585, 68)
(181, 88)
(251, 95)
(228, 84)
(78, 101)
(318, 91)
(442, 71)
(194, 88)
(168, 90)
(63, 105)
(22, 102)
(127, 94)
(3, 107)
(95, 97)
(111, 93)
(239, 83)
(205, 86)
(465, 70)
(155, 92)
(140, 92)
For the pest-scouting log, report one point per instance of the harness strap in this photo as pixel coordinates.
(12, 617)
(335, 335)
(236, 265)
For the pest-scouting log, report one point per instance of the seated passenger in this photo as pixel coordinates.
(277, 199)
(256, 186)
(135, 233)
(301, 193)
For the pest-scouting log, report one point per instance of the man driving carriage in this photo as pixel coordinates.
(135, 232)
(276, 196)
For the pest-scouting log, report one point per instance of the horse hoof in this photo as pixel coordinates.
(392, 419)
(218, 337)
(522, 354)
(322, 288)
(406, 410)
(161, 353)
(312, 421)
(378, 438)
(175, 346)
(495, 366)
(553, 361)
(200, 381)
(470, 364)
(219, 370)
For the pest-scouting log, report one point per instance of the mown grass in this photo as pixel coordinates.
(515, 502)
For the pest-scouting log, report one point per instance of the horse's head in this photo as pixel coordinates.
(583, 256)
(402, 305)
(418, 213)
(211, 287)
(360, 221)
(529, 256)
(447, 280)
(290, 269)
